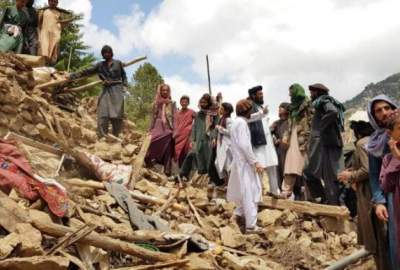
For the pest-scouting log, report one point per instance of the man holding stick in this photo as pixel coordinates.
(110, 107)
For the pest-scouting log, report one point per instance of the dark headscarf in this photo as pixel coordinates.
(298, 95)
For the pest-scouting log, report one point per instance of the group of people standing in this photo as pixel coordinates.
(35, 32)
(301, 153)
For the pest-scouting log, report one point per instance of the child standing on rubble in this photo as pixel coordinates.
(390, 172)
(244, 186)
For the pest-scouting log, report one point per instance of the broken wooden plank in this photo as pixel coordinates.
(309, 208)
(32, 60)
(34, 263)
(107, 243)
(71, 238)
(156, 266)
(139, 161)
(35, 144)
(196, 214)
(168, 202)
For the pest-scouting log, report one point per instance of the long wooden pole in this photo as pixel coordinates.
(84, 87)
(208, 75)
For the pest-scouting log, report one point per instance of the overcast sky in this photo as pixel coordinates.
(344, 44)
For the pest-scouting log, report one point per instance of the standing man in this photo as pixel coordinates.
(110, 107)
(325, 150)
(183, 128)
(261, 138)
(296, 138)
(244, 186)
(51, 22)
(30, 31)
(161, 149)
(371, 236)
(278, 129)
(379, 110)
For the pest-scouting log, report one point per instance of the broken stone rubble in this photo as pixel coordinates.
(291, 240)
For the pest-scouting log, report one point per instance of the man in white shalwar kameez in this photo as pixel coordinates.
(244, 186)
(261, 138)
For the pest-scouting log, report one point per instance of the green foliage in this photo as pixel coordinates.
(6, 3)
(71, 45)
(143, 90)
(74, 56)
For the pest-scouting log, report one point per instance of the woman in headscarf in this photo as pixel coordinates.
(12, 22)
(296, 137)
(161, 149)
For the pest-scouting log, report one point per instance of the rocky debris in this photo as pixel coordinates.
(97, 231)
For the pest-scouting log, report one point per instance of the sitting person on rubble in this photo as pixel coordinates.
(244, 186)
(52, 19)
(110, 107)
(12, 22)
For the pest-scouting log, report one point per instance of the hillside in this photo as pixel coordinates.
(389, 86)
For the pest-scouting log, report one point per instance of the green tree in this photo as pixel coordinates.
(139, 105)
(6, 3)
(73, 51)
(74, 55)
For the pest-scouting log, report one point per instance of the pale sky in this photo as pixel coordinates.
(345, 44)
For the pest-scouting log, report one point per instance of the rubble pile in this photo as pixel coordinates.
(158, 224)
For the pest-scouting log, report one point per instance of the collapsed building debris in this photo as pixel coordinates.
(136, 218)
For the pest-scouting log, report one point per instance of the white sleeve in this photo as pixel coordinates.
(244, 144)
(254, 117)
(226, 131)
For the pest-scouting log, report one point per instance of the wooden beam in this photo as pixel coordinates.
(156, 266)
(309, 208)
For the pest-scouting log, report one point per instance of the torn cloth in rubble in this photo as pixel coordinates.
(16, 173)
(137, 217)
(109, 172)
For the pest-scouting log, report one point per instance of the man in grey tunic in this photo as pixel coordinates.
(325, 146)
(110, 107)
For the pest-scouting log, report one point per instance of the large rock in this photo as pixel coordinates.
(31, 240)
(231, 237)
(268, 217)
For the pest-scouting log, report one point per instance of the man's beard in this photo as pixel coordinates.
(259, 101)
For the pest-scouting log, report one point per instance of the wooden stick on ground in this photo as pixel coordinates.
(156, 266)
(168, 202)
(72, 238)
(309, 208)
(196, 214)
(139, 161)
